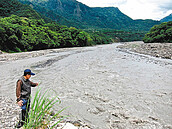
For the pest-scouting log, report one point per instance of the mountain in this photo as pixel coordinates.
(27, 31)
(167, 19)
(24, 29)
(74, 13)
(25, 26)
(8, 7)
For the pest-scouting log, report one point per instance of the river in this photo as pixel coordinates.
(102, 86)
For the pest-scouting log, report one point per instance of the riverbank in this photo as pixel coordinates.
(9, 116)
(31, 54)
(161, 50)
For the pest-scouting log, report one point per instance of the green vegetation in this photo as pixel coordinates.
(22, 34)
(76, 14)
(116, 35)
(39, 115)
(8, 7)
(160, 33)
(19, 34)
(31, 32)
(24, 29)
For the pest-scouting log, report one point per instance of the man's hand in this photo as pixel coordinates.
(20, 103)
(37, 84)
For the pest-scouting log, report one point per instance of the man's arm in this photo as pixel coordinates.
(33, 84)
(18, 93)
(18, 90)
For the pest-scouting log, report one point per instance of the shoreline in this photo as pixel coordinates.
(24, 55)
(159, 50)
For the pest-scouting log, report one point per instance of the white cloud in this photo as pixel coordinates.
(102, 3)
(136, 9)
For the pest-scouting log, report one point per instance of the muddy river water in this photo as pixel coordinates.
(102, 86)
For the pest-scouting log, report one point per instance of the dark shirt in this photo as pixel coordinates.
(23, 88)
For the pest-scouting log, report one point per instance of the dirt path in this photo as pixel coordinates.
(102, 85)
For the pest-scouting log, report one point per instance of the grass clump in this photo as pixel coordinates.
(39, 115)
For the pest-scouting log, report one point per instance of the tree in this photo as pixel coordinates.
(160, 33)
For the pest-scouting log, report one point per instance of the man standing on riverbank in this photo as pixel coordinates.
(23, 91)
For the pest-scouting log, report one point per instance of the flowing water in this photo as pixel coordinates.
(101, 85)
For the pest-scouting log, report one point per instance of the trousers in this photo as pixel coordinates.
(24, 112)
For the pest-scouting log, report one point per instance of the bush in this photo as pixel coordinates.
(39, 115)
(160, 33)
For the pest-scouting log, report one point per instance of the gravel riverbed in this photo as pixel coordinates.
(104, 87)
(161, 50)
(9, 116)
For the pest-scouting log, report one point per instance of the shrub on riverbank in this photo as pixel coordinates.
(40, 112)
(160, 34)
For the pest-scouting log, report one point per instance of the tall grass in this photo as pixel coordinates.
(39, 115)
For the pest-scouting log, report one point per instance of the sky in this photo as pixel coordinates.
(136, 9)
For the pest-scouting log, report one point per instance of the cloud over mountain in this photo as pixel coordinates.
(136, 9)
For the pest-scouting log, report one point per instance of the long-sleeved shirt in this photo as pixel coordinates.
(23, 88)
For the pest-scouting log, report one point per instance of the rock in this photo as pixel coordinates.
(157, 55)
(153, 118)
(66, 126)
(160, 50)
(9, 112)
(77, 123)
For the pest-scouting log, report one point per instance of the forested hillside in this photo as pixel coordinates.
(8, 7)
(117, 35)
(74, 13)
(160, 33)
(23, 34)
(31, 32)
(24, 29)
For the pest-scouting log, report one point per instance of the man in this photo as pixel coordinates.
(23, 91)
